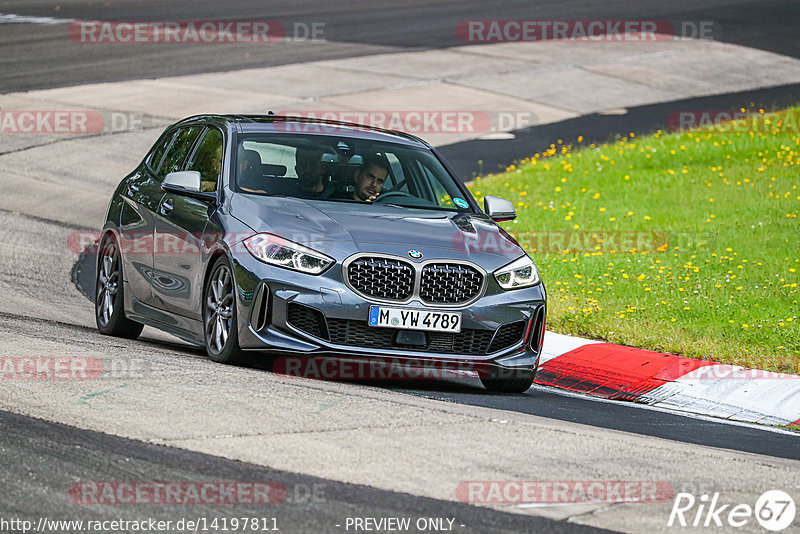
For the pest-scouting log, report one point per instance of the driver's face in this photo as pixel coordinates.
(369, 182)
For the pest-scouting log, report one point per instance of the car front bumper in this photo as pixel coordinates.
(501, 328)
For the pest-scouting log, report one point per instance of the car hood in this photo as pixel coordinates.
(339, 229)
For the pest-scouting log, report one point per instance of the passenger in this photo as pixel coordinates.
(310, 171)
(368, 181)
(248, 176)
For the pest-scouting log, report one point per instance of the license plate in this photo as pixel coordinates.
(406, 319)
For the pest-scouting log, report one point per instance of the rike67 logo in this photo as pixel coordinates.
(774, 510)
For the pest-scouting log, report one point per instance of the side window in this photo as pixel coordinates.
(430, 188)
(432, 184)
(158, 153)
(176, 155)
(442, 195)
(396, 176)
(207, 159)
(276, 156)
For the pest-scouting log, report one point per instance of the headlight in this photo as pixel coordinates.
(519, 273)
(284, 253)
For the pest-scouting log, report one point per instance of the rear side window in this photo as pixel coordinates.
(177, 153)
(154, 161)
(278, 155)
(207, 160)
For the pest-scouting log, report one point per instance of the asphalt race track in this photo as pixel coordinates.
(373, 449)
(495, 155)
(312, 504)
(35, 57)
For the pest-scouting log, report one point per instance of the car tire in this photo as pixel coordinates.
(220, 327)
(109, 300)
(504, 380)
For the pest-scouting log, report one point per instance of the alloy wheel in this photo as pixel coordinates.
(219, 308)
(107, 283)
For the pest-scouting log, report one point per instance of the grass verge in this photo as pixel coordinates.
(685, 242)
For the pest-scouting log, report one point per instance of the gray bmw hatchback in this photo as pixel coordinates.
(288, 236)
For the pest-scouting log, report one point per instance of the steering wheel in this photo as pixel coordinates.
(390, 194)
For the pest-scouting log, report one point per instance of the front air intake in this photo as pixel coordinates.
(259, 317)
(537, 329)
(308, 320)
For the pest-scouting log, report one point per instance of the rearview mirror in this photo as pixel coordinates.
(329, 157)
(499, 209)
(186, 183)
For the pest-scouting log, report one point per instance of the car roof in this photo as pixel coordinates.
(303, 125)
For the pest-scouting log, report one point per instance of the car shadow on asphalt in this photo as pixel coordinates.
(84, 275)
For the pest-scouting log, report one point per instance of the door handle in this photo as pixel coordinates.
(167, 206)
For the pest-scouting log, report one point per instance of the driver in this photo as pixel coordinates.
(369, 179)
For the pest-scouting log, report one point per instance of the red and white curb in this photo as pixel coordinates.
(668, 381)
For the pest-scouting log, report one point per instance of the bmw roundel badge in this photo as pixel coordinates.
(415, 254)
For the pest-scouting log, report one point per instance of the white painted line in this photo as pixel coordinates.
(558, 344)
(24, 19)
(726, 391)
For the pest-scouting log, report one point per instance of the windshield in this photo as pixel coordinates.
(344, 169)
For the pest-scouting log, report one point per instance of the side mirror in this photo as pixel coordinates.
(182, 182)
(499, 209)
(186, 183)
